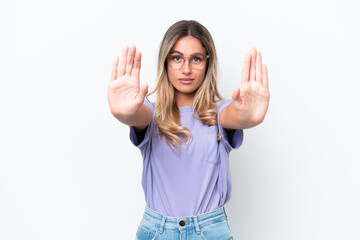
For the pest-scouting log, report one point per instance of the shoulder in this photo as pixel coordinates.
(221, 104)
(150, 105)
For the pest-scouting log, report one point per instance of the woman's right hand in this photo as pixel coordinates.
(124, 93)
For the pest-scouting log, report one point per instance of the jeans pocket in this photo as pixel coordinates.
(216, 231)
(154, 235)
(142, 233)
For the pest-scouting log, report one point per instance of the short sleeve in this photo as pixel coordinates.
(133, 137)
(238, 135)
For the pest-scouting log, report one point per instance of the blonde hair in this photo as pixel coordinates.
(166, 113)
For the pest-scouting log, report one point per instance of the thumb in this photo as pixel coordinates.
(236, 94)
(143, 91)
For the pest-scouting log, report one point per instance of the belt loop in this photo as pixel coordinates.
(162, 224)
(197, 225)
(225, 212)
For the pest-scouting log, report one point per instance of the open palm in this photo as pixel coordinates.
(124, 93)
(251, 100)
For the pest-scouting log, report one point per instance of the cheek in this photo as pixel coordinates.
(171, 75)
(201, 76)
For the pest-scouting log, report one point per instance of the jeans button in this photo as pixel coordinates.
(182, 223)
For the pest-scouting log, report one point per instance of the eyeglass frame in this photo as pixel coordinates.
(187, 58)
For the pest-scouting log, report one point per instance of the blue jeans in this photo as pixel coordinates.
(212, 225)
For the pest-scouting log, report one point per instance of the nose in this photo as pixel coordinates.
(186, 67)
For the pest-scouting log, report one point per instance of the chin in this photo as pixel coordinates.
(186, 90)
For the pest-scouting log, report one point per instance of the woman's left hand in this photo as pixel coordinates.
(251, 100)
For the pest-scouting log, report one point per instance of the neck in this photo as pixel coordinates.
(184, 99)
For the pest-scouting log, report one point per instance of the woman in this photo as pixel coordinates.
(185, 137)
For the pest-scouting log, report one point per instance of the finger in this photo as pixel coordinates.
(252, 65)
(143, 91)
(123, 61)
(114, 68)
(236, 94)
(246, 68)
(137, 65)
(265, 81)
(258, 67)
(130, 60)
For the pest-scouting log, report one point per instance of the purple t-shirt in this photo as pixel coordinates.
(195, 181)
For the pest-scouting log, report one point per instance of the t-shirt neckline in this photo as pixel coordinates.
(185, 109)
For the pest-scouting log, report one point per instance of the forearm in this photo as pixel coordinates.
(140, 119)
(230, 120)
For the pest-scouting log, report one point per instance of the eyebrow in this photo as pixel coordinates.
(194, 54)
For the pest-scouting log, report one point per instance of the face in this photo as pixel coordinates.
(187, 79)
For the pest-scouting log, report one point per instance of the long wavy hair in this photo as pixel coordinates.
(166, 113)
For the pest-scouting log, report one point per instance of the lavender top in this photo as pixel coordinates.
(195, 181)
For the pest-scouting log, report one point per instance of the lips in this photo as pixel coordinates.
(186, 80)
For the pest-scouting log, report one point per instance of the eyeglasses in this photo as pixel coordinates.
(176, 61)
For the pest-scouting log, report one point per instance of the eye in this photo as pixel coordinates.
(176, 58)
(197, 59)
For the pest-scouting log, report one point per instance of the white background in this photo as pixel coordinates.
(69, 171)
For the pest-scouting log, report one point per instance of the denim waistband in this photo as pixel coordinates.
(197, 222)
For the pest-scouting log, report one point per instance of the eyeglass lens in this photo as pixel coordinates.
(176, 61)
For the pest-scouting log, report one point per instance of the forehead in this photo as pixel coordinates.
(189, 45)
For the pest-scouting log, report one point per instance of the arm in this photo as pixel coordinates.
(251, 100)
(125, 96)
(230, 121)
(140, 120)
